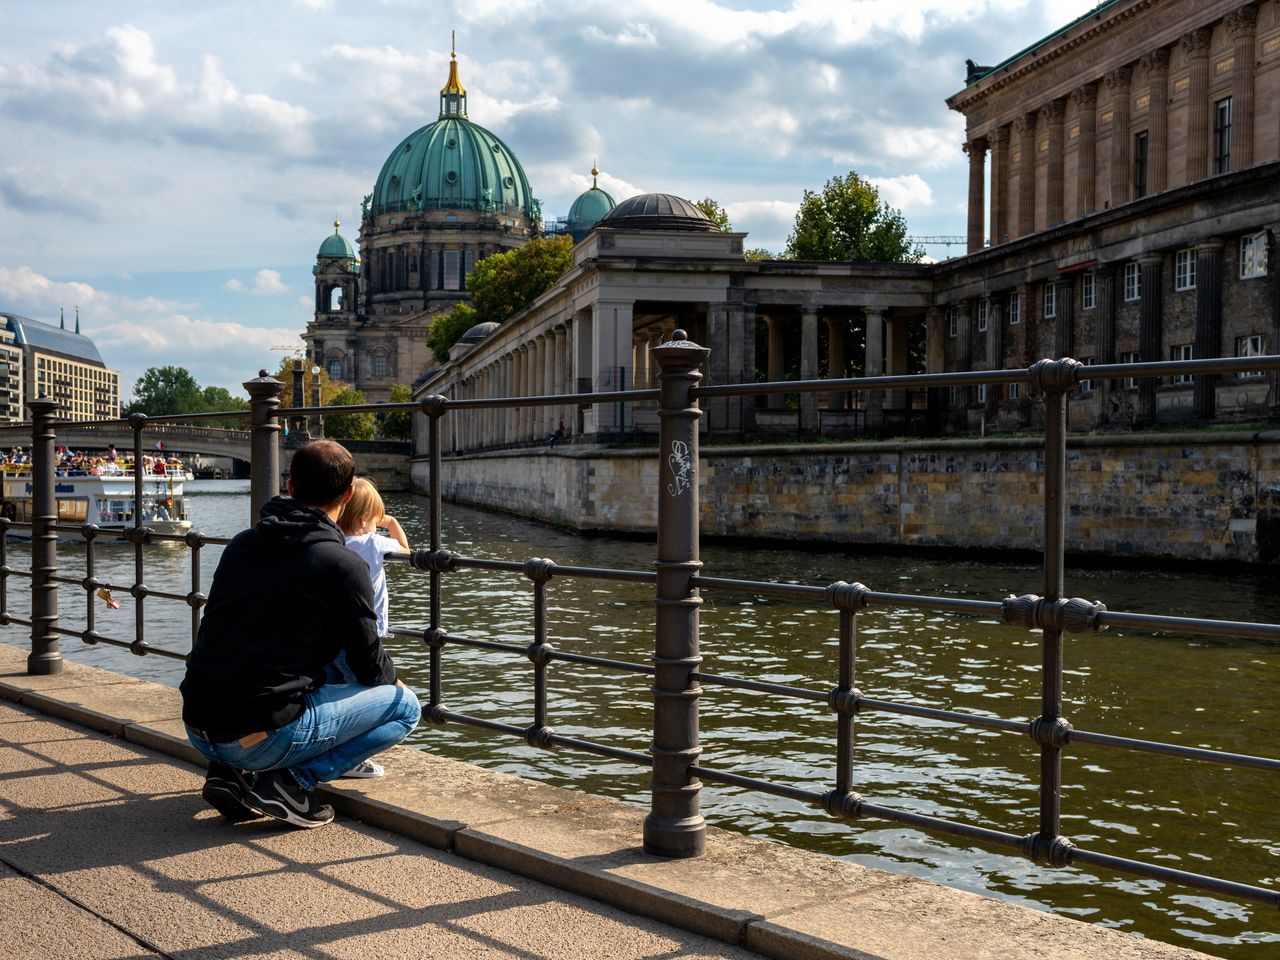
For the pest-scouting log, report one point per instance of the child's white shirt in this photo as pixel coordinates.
(372, 547)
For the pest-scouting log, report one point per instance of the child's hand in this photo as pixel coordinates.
(392, 526)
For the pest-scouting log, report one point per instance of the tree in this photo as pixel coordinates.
(349, 426)
(848, 221)
(505, 283)
(715, 213)
(447, 328)
(220, 398)
(328, 388)
(163, 390)
(760, 253)
(398, 425)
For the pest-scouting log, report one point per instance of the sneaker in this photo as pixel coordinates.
(365, 770)
(277, 794)
(224, 790)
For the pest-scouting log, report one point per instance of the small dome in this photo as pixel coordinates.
(337, 245)
(658, 211)
(478, 332)
(589, 209)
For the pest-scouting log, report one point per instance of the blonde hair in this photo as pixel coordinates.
(365, 503)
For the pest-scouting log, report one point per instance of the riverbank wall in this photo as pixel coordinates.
(1182, 497)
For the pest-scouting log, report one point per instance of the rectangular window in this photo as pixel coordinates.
(982, 316)
(468, 261)
(1014, 390)
(335, 369)
(1088, 292)
(1086, 386)
(1181, 351)
(1132, 282)
(1140, 165)
(433, 270)
(953, 326)
(1050, 300)
(982, 393)
(1250, 346)
(1015, 309)
(1130, 383)
(1184, 270)
(1222, 136)
(1253, 256)
(379, 365)
(452, 269)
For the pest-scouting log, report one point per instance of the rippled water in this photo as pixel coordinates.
(1217, 693)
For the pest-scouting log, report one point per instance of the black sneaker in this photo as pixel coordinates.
(277, 794)
(224, 790)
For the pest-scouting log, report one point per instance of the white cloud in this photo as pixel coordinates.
(234, 284)
(268, 282)
(908, 192)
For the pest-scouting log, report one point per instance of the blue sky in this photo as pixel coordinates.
(172, 168)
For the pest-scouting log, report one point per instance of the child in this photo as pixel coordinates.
(359, 521)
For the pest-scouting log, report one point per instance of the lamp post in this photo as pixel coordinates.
(299, 423)
(317, 428)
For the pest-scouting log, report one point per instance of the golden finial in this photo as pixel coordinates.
(454, 86)
(336, 224)
(594, 173)
(453, 44)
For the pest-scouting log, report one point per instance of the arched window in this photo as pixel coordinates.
(335, 299)
(335, 369)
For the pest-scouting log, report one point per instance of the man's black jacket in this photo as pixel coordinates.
(286, 597)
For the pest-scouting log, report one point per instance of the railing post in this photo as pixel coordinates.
(45, 657)
(674, 826)
(264, 447)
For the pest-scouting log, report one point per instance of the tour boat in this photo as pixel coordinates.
(105, 500)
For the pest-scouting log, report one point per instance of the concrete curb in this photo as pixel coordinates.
(770, 898)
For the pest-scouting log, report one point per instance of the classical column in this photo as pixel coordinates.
(1157, 64)
(560, 340)
(835, 359)
(548, 353)
(964, 352)
(1053, 112)
(1086, 101)
(776, 401)
(1024, 128)
(520, 389)
(873, 366)
(995, 348)
(716, 409)
(1195, 45)
(935, 319)
(1118, 82)
(1242, 24)
(896, 358)
(1149, 341)
(1000, 185)
(809, 368)
(1208, 323)
(507, 420)
(977, 151)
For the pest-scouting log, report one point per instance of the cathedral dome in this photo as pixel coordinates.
(336, 245)
(658, 211)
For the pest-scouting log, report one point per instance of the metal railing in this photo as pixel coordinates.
(674, 826)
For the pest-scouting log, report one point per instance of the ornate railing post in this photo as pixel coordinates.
(45, 655)
(674, 826)
(264, 447)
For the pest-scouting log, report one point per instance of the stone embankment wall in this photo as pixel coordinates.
(1174, 496)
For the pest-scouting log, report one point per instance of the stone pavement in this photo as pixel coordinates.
(106, 850)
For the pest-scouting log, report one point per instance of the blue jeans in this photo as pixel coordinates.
(341, 725)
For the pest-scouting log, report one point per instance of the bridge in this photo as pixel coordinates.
(180, 437)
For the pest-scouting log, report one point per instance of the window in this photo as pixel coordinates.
(1088, 292)
(1050, 300)
(982, 393)
(1250, 346)
(1253, 256)
(379, 365)
(452, 270)
(335, 369)
(1013, 390)
(982, 316)
(951, 395)
(1015, 309)
(1140, 165)
(1184, 270)
(1222, 136)
(1181, 351)
(1130, 383)
(1132, 282)
(1086, 386)
(954, 322)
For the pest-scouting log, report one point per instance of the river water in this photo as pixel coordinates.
(1219, 693)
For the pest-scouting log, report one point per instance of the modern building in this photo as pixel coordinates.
(61, 364)
(11, 393)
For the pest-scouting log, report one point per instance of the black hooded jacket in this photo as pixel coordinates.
(286, 597)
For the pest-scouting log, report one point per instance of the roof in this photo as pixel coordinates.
(51, 339)
(336, 245)
(977, 73)
(658, 211)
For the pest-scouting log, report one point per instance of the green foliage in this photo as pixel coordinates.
(348, 426)
(715, 213)
(398, 425)
(328, 388)
(848, 221)
(505, 283)
(760, 253)
(166, 390)
(446, 328)
(220, 398)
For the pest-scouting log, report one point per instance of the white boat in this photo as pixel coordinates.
(104, 500)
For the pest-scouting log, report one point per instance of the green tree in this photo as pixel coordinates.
(505, 283)
(847, 220)
(220, 398)
(166, 390)
(398, 425)
(715, 213)
(328, 388)
(349, 426)
(446, 328)
(760, 253)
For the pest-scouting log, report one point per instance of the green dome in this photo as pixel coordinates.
(588, 210)
(452, 164)
(336, 245)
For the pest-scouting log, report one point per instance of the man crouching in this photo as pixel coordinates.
(287, 597)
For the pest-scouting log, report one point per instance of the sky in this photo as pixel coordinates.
(171, 169)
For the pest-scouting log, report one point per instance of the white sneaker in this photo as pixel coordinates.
(365, 770)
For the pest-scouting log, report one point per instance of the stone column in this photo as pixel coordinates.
(520, 385)
(612, 324)
(964, 354)
(1157, 64)
(935, 356)
(1086, 101)
(1208, 323)
(776, 401)
(1120, 179)
(1150, 315)
(809, 368)
(896, 358)
(1053, 113)
(716, 409)
(558, 367)
(835, 360)
(1024, 128)
(977, 151)
(873, 366)
(995, 349)
(1196, 47)
(508, 422)
(1000, 185)
(548, 353)
(1242, 24)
